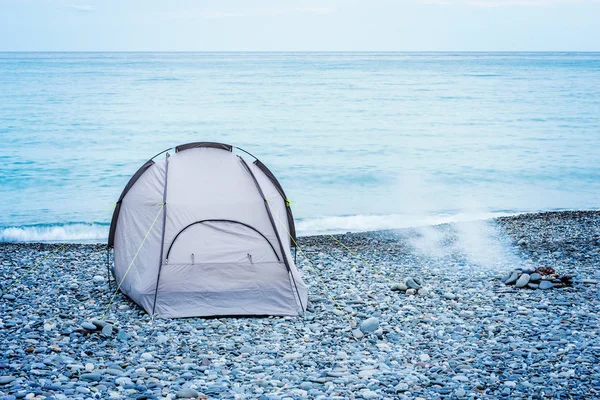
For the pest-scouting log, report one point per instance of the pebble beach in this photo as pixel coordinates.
(460, 333)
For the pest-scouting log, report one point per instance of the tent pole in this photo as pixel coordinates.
(162, 243)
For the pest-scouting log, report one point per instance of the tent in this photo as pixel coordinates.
(203, 232)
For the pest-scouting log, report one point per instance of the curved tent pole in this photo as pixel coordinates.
(268, 208)
(162, 242)
(162, 152)
(247, 152)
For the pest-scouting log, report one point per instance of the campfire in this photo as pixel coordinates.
(539, 278)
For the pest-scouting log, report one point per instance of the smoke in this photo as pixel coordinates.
(473, 236)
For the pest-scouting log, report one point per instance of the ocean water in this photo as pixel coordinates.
(360, 141)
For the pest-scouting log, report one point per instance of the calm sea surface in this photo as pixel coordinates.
(359, 140)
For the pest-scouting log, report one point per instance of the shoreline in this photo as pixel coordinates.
(501, 217)
(466, 335)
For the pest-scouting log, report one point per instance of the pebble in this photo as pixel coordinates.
(535, 277)
(544, 342)
(6, 379)
(546, 285)
(357, 333)
(9, 297)
(369, 325)
(88, 326)
(107, 331)
(187, 393)
(92, 377)
(512, 278)
(522, 281)
(411, 283)
(401, 286)
(449, 296)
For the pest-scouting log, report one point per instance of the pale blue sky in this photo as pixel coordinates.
(299, 25)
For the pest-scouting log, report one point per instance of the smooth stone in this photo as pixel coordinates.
(535, 277)
(88, 326)
(411, 291)
(533, 285)
(9, 297)
(546, 285)
(99, 324)
(4, 380)
(401, 387)
(410, 283)
(357, 333)
(107, 331)
(122, 336)
(512, 279)
(523, 280)
(92, 377)
(369, 325)
(401, 286)
(449, 296)
(187, 393)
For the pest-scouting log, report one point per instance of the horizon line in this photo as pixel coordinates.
(300, 51)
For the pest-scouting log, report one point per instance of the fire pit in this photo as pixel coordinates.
(539, 278)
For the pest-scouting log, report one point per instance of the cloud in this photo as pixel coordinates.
(504, 3)
(80, 8)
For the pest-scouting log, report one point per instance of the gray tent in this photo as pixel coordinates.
(203, 232)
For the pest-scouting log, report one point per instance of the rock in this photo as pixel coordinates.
(147, 356)
(91, 377)
(401, 387)
(401, 286)
(512, 278)
(187, 393)
(532, 285)
(88, 326)
(449, 296)
(522, 281)
(357, 333)
(107, 331)
(411, 291)
(546, 285)
(424, 358)
(460, 393)
(590, 281)
(9, 297)
(535, 277)
(369, 325)
(523, 242)
(123, 336)
(99, 323)
(410, 283)
(6, 379)
(98, 278)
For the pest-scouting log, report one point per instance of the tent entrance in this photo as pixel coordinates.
(221, 241)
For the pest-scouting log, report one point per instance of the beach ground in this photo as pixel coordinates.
(463, 335)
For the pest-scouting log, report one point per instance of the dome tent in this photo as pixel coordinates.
(202, 232)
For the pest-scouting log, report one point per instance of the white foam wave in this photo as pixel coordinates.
(74, 232)
(97, 233)
(364, 223)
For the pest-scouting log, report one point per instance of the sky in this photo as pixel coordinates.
(299, 25)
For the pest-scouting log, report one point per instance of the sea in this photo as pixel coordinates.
(359, 141)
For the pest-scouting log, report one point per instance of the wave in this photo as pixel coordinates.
(72, 232)
(78, 232)
(364, 223)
